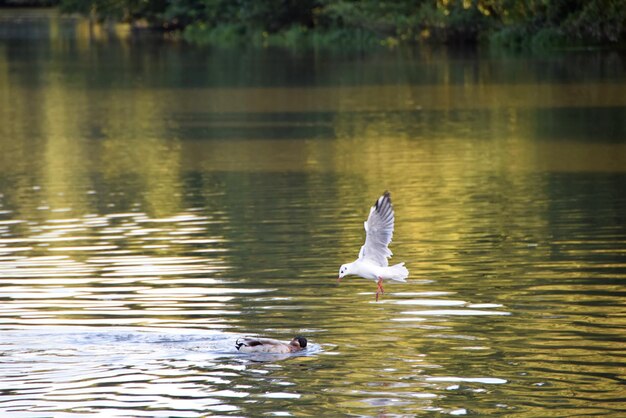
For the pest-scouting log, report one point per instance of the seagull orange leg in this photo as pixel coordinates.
(380, 289)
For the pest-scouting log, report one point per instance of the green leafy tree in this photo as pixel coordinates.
(510, 21)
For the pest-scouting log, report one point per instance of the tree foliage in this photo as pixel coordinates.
(506, 21)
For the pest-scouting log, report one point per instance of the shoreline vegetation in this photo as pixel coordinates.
(526, 24)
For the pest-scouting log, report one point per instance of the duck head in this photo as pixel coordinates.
(298, 343)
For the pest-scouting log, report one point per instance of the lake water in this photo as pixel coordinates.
(159, 200)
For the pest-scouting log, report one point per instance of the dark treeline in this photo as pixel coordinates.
(507, 22)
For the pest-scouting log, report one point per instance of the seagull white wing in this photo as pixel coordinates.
(378, 232)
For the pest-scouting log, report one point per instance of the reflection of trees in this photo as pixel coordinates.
(130, 134)
(20, 130)
(136, 150)
(65, 176)
(480, 184)
(125, 139)
(330, 134)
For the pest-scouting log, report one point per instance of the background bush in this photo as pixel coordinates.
(507, 22)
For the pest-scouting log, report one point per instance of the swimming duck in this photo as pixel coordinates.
(269, 345)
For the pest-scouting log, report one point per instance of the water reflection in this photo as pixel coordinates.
(148, 219)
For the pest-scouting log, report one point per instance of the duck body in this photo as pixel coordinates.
(269, 345)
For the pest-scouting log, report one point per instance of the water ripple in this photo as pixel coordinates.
(137, 245)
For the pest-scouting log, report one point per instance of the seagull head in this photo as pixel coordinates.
(344, 270)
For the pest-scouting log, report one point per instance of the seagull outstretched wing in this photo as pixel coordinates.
(378, 232)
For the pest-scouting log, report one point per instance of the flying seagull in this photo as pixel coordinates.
(372, 262)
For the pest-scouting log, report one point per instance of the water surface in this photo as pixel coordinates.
(158, 200)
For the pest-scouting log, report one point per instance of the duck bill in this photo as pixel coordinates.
(338, 279)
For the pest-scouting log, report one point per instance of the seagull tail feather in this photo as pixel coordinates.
(398, 272)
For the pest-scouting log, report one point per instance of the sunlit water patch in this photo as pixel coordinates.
(78, 370)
